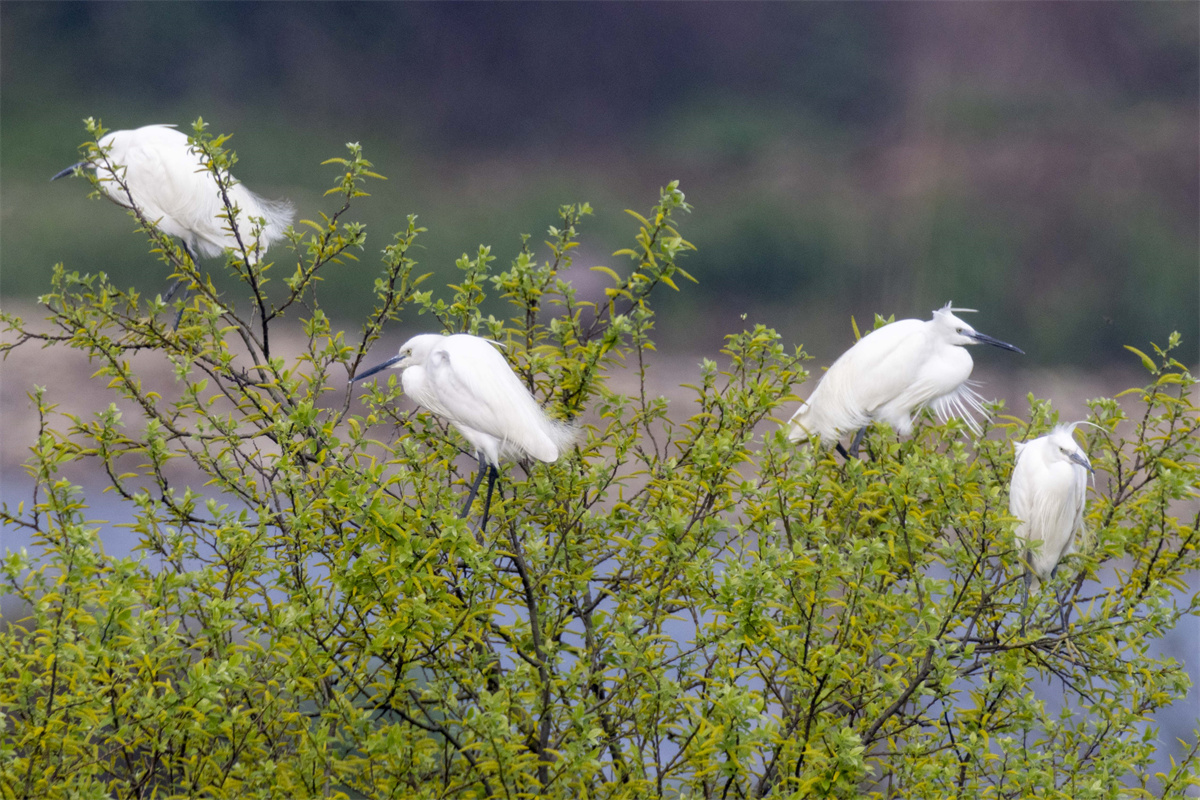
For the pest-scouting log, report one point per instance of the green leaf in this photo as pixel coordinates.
(1147, 362)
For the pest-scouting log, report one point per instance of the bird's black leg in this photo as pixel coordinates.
(174, 287)
(179, 315)
(493, 474)
(1063, 611)
(842, 450)
(474, 486)
(1025, 601)
(858, 437)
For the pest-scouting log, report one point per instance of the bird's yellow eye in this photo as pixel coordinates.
(958, 330)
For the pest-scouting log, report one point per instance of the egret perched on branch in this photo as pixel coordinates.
(465, 380)
(155, 170)
(891, 374)
(1047, 492)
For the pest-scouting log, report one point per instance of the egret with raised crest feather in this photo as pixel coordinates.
(891, 374)
(465, 380)
(1047, 494)
(156, 170)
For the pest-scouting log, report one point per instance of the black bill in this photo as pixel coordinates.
(985, 339)
(69, 170)
(378, 368)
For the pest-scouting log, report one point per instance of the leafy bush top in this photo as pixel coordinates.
(681, 607)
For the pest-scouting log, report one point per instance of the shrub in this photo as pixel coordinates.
(681, 607)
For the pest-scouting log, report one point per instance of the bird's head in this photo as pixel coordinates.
(413, 352)
(1063, 446)
(957, 331)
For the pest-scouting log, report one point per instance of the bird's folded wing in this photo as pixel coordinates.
(483, 393)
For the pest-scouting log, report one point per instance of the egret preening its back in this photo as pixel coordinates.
(891, 374)
(1047, 493)
(464, 379)
(166, 180)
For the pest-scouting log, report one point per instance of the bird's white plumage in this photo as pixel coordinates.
(169, 184)
(891, 374)
(466, 380)
(1047, 494)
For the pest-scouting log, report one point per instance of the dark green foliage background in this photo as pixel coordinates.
(1035, 160)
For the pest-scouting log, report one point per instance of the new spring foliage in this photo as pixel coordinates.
(685, 605)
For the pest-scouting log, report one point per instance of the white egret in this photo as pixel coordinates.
(157, 171)
(1047, 492)
(465, 380)
(891, 374)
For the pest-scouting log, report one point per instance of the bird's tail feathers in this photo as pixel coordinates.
(796, 430)
(564, 434)
(797, 433)
(554, 438)
(829, 412)
(278, 215)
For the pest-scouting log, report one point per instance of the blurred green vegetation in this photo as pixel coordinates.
(1035, 161)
